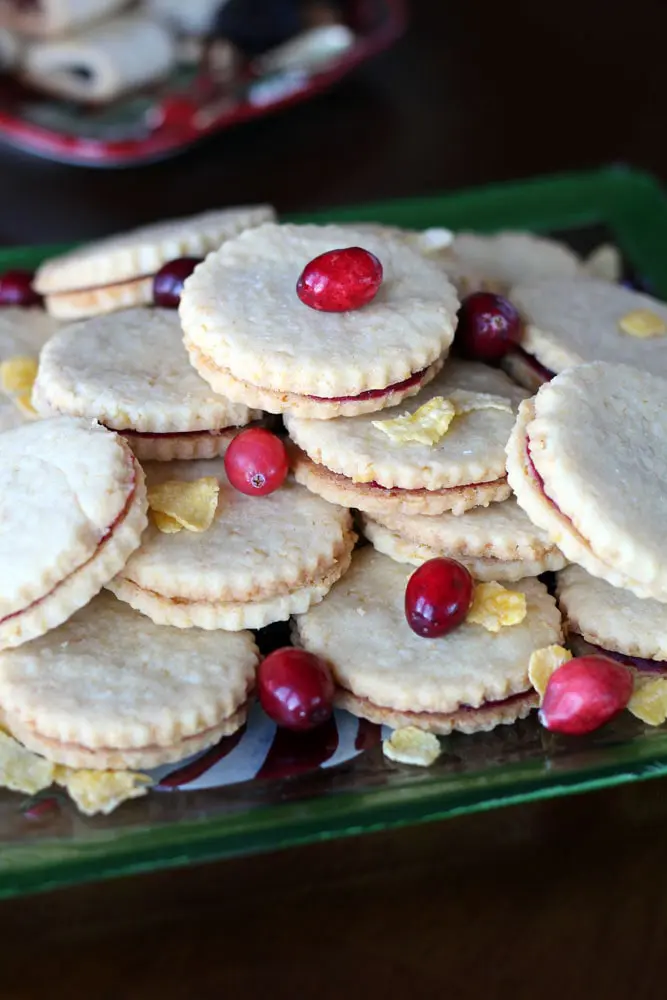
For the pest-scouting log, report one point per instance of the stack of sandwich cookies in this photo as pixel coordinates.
(494, 543)
(261, 560)
(130, 371)
(111, 690)
(23, 333)
(252, 338)
(569, 322)
(469, 680)
(591, 438)
(117, 272)
(72, 508)
(385, 466)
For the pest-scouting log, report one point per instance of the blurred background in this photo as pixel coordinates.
(173, 106)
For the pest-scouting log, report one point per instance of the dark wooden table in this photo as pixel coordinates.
(558, 898)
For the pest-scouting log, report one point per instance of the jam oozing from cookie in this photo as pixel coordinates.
(489, 327)
(169, 280)
(407, 383)
(438, 597)
(295, 688)
(584, 694)
(340, 280)
(16, 289)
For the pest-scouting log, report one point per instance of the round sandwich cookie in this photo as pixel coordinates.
(600, 618)
(129, 370)
(111, 690)
(494, 543)
(587, 462)
(502, 260)
(23, 333)
(569, 322)
(117, 272)
(72, 510)
(442, 450)
(260, 560)
(252, 337)
(468, 680)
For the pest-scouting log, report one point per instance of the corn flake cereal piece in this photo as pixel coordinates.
(649, 700)
(21, 770)
(18, 374)
(191, 504)
(643, 323)
(166, 524)
(96, 792)
(24, 402)
(466, 401)
(425, 426)
(412, 746)
(494, 607)
(542, 664)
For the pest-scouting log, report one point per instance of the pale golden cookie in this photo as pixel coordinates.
(507, 258)
(361, 630)
(262, 559)
(70, 306)
(109, 689)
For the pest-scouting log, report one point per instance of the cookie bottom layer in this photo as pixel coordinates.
(97, 301)
(463, 720)
(374, 499)
(135, 758)
(187, 446)
(583, 647)
(83, 583)
(485, 569)
(257, 397)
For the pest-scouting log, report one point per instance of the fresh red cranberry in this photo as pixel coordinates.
(489, 326)
(168, 282)
(340, 280)
(585, 693)
(438, 597)
(295, 688)
(256, 462)
(16, 289)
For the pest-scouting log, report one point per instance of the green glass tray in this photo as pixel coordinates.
(512, 764)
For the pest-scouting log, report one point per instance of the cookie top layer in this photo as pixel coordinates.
(360, 628)
(110, 678)
(512, 257)
(257, 547)
(240, 309)
(472, 450)
(596, 435)
(130, 371)
(611, 617)
(143, 251)
(63, 485)
(569, 322)
(23, 332)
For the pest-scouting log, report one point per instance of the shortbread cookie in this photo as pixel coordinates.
(468, 680)
(262, 559)
(130, 371)
(495, 543)
(72, 509)
(47, 18)
(586, 460)
(109, 689)
(258, 343)
(354, 462)
(117, 272)
(507, 258)
(614, 621)
(23, 333)
(569, 322)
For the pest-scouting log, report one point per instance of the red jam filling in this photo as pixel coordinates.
(638, 662)
(422, 489)
(544, 373)
(374, 393)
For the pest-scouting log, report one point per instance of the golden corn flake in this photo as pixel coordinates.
(494, 607)
(18, 374)
(649, 700)
(167, 525)
(190, 504)
(425, 426)
(24, 402)
(643, 323)
(467, 402)
(21, 770)
(412, 746)
(96, 792)
(542, 664)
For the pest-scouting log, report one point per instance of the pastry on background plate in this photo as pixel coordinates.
(72, 509)
(497, 542)
(587, 462)
(255, 340)
(469, 680)
(117, 272)
(111, 690)
(448, 455)
(129, 370)
(23, 333)
(258, 560)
